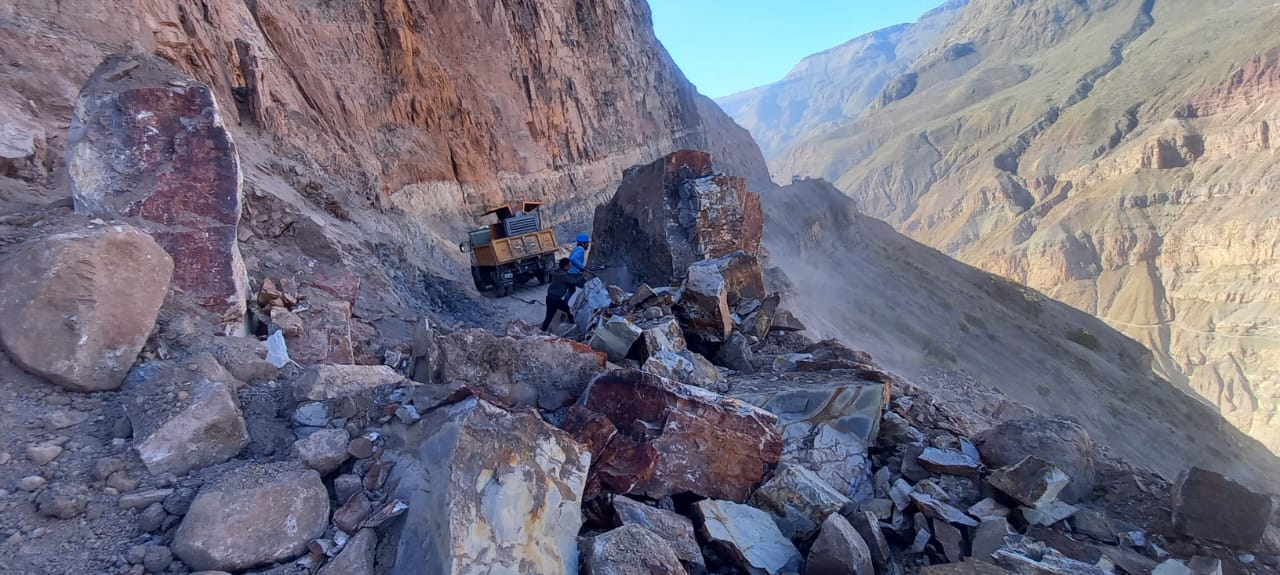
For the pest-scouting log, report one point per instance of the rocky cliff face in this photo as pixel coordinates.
(1112, 154)
(386, 106)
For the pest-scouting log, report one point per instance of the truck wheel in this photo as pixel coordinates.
(477, 278)
(542, 276)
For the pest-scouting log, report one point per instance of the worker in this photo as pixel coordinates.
(563, 282)
(578, 260)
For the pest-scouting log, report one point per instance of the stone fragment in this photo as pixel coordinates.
(255, 515)
(988, 508)
(588, 301)
(630, 550)
(1172, 567)
(141, 499)
(1025, 555)
(63, 419)
(151, 144)
(675, 529)
(547, 374)
(325, 337)
(356, 557)
(784, 321)
(704, 374)
(910, 467)
(152, 518)
(799, 501)
(1064, 444)
(670, 214)
(323, 451)
(156, 559)
(936, 509)
(662, 335)
(77, 307)
(922, 539)
(1032, 481)
(488, 490)
(900, 493)
(868, 526)
(185, 415)
(1047, 514)
(704, 443)
(748, 537)
(839, 550)
(744, 280)
(948, 462)
(1094, 523)
(592, 430)
(361, 448)
(757, 324)
(1211, 506)
(43, 454)
(704, 304)
(879, 508)
(32, 483)
(325, 382)
(642, 295)
(614, 337)
(736, 354)
(61, 501)
(346, 485)
(311, 414)
(1205, 566)
(1129, 561)
(669, 365)
(951, 540)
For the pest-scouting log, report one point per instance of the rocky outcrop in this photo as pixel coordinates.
(488, 488)
(77, 307)
(671, 214)
(148, 143)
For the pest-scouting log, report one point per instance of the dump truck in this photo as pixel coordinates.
(512, 251)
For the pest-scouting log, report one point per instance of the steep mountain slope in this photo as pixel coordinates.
(915, 309)
(381, 110)
(1113, 154)
(831, 88)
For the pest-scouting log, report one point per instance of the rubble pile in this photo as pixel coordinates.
(681, 422)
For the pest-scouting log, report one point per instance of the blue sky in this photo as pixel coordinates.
(726, 46)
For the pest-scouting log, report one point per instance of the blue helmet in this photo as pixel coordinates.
(583, 238)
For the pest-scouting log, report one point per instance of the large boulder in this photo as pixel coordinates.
(185, 415)
(148, 142)
(255, 515)
(703, 443)
(675, 529)
(747, 537)
(614, 337)
(326, 382)
(827, 428)
(77, 308)
(630, 550)
(547, 374)
(670, 214)
(799, 501)
(1033, 482)
(663, 334)
(1060, 442)
(1210, 506)
(489, 491)
(744, 281)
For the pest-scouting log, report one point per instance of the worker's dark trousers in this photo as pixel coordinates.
(554, 304)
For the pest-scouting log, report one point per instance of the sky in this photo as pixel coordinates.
(726, 46)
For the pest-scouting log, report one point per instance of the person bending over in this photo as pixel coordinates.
(562, 285)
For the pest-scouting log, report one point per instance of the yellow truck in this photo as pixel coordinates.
(514, 250)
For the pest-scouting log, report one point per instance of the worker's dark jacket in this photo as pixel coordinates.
(560, 282)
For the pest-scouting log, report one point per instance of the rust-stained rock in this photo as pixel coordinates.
(323, 335)
(675, 529)
(704, 443)
(670, 214)
(743, 278)
(548, 374)
(630, 550)
(253, 516)
(664, 334)
(489, 491)
(76, 308)
(759, 322)
(185, 415)
(148, 142)
(1210, 506)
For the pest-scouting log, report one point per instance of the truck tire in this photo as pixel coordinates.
(478, 279)
(542, 276)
